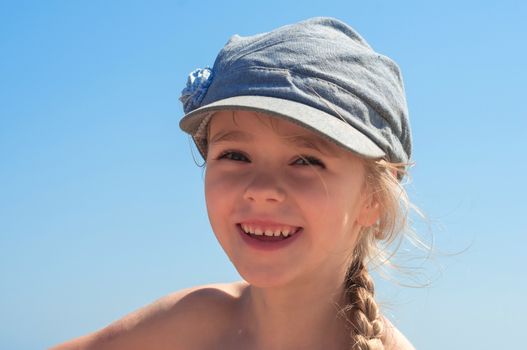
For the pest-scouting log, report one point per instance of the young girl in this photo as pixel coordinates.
(306, 138)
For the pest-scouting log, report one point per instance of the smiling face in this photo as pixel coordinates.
(302, 198)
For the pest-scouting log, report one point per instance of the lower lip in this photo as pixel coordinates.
(268, 245)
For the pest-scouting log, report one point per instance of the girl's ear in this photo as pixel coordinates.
(369, 213)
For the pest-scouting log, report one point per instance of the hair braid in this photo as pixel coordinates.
(362, 310)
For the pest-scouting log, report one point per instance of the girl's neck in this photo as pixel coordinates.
(304, 315)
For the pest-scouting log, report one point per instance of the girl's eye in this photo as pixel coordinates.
(235, 156)
(308, 160)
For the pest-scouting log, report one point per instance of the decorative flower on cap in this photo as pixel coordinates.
(197, 84)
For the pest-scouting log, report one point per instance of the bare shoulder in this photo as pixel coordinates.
(393, 339)
(186, 319)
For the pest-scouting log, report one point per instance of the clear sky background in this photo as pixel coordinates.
(101, 205)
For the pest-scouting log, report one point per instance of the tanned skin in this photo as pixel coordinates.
(201, 318)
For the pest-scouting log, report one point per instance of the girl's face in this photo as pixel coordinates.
(265, 174)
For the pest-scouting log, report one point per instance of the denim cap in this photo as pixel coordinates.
(319, 73)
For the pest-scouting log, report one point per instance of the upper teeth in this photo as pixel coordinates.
(284, 231)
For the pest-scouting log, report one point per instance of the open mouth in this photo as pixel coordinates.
(269, 234)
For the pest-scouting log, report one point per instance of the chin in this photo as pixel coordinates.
(265, 277)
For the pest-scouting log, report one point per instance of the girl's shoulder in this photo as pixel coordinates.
(393, 339)
(187, 319)
(194, 318)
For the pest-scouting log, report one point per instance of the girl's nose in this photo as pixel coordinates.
(264, 188)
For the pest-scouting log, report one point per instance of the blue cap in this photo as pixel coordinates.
(319, 73)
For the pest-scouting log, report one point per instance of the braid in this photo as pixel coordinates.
(362, 310)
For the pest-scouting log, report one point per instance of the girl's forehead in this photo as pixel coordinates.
(254, 122)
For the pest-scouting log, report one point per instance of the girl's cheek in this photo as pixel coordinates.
(223, 183)
(301, 184)
(310, 184)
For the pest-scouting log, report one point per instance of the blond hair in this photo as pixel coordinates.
(361, 310)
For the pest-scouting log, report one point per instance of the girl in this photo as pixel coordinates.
(306, 138)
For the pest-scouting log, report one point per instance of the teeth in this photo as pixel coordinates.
(284, 231)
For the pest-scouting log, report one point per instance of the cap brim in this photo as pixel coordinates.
(325, 124)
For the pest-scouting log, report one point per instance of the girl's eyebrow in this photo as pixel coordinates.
(230, 135)
(300, 141)
(311, 142)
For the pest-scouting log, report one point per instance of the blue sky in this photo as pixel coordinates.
(101, 204)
